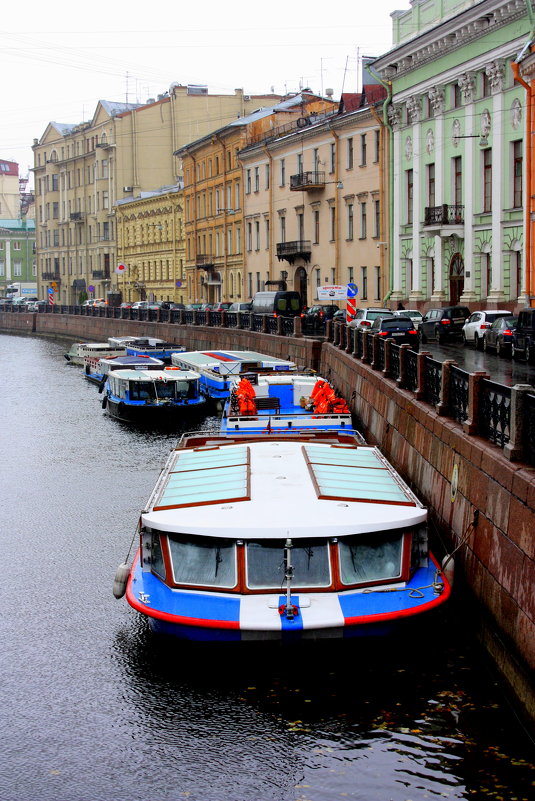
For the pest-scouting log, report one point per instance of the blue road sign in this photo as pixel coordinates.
(352, 290)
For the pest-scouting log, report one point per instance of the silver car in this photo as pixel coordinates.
(478, 322)
(364, 318)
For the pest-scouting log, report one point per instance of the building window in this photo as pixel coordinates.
(17, 267)
(431, 185)
(267, 232)
(299, 163)
(16, 245)
(350, 153)
(376, 146)
(487, 179)
(363, 221)
(316, 227)
(350, 221)
(377, 218)
(363, 150)
(485, 85)
(410, 195)
(517, 174)
(267, 176)
(300, 227)
(332, 212)
(458, 180)
(283, 229)
(377, 283)
(257, 234)
(332, 162)
(518, 271)
(457, 96)
(248, 182)
(282, 172)
(256, 179)
(364, 282)
(249, 236)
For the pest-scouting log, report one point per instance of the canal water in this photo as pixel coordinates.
(97, 708)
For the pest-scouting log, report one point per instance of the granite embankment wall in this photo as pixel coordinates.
(490, 519)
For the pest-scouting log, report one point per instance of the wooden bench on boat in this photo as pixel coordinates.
(263, 403)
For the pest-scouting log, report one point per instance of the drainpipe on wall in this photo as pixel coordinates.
(388, 86)
(530, 118)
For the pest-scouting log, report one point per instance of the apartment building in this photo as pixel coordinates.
(126, 149)
(457, 116)
(17, 258)
(215, 185)
(314, 203)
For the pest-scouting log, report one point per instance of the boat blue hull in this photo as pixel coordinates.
(220, 617)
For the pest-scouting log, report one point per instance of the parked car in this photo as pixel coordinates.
(89, 303)
(415, 315)
(523, 346)
(194, 306)
(443, 324)
(364, 317)
(140, 304)
(37, 305)
(125, 305)
(499, 336)
(340, 316)
(100, 302)
(315, 316)
(243, 308)
(477, 324)
(402, 329)
(219, 307)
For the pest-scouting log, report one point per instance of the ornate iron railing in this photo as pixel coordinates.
(432, 381)
(411, 370)
(495, 412)
(444, 215)
(394, 362)
(458, 394)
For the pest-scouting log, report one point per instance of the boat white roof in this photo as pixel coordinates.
(155, 375)
(229, 361)
(276, 488)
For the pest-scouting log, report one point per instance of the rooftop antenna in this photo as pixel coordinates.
(345, 73)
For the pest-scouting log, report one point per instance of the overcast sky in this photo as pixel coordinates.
(58, 60)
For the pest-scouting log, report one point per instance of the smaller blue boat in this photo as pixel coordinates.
(150, 346)
(284, 403)
(156, 398)
(96, 370)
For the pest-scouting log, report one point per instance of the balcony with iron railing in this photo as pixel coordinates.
(204, 261)
(101, 275)
(437, 216)
(76, 216)
(51, 276)
(290, 251)
(311, 179)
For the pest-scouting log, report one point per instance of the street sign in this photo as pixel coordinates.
(91, 288)
(178, 284)
(50, 290)
(333, 292)
(352, 290)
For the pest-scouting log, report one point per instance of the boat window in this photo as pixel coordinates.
(265, 564)
(370, 558)
(157, 556)
(203, 561)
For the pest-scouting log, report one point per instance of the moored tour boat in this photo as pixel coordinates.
(285, 537)
(79, 351)
(284, 403)
(219, 368)
(150, 346)
(96, 369)
(165, 397)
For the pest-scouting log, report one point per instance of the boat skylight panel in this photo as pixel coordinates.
(206, 477)
(354, 475)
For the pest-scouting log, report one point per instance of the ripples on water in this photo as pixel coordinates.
(96, 707)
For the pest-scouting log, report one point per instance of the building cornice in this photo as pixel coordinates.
(447, 37)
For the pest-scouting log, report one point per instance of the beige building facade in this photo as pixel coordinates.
(81, 171)
(314, 208)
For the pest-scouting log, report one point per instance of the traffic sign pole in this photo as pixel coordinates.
(351, 303)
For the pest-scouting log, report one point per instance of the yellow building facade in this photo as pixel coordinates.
(215, 184)
(151, 246)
